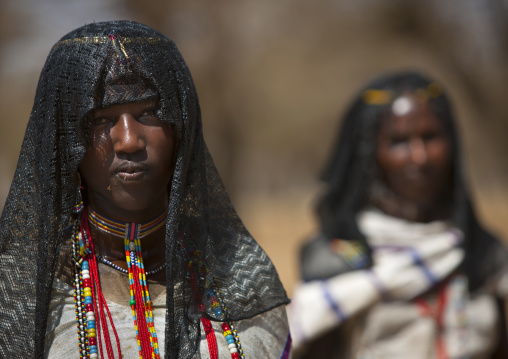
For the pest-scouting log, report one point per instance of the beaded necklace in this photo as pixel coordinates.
(88, 296)
(120, 269)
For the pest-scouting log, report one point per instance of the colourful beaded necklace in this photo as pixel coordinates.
(89, 300)
(88, 296)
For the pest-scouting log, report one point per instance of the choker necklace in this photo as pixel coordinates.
(125, 229)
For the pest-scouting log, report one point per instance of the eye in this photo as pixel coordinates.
(149, 117)
(149, 112)
(100, 121)
(398, 140)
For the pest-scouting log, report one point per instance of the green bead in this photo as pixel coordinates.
(132, 302)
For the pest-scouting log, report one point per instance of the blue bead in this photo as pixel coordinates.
(84, 265)
(230, 340)
(230, 336)
(93, 349)
(218, 311)
(91, 324)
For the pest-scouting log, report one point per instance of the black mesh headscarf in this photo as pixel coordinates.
(349, 174)
(44, 190)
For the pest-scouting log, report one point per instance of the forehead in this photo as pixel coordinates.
(416, 117)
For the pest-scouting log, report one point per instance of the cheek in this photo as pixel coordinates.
(164, 150)
(391, 158)
(95, 165)
(90, 169)
(99, 151)
(440, 155)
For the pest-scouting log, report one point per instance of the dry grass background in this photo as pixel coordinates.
(273, 79)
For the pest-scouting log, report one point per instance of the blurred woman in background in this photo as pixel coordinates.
(401, 267)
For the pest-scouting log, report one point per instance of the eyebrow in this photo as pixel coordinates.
(144, 104)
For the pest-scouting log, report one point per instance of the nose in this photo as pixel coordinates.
(127, 135)
(418, 152)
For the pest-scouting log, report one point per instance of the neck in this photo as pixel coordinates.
(108, 235)
(109, 208)
(413, 211)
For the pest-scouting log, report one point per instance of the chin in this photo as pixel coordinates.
(139, 202)
(423, 201)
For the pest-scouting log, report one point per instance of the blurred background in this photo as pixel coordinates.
(273, 79)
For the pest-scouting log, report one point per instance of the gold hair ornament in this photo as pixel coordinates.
(385, 97)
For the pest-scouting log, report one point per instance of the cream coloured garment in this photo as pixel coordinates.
(263, 336)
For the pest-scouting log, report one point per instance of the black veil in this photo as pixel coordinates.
(352, 167)
(44, 191)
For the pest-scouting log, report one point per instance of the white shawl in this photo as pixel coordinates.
(396, 302)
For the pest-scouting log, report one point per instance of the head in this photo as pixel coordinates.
(409, 146)
(398, 146)
(130, 156)
(414, 158)
(133, 103)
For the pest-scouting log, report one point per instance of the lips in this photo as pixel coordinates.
(415, 173)
(130, 171)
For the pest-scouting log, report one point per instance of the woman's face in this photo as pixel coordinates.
(129, 164)
(414, 152)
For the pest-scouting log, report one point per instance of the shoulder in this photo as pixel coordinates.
(267, 323)
(323, 257)
(265, 335)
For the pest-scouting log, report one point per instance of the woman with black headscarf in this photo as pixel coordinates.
(401, 268)
(118, 237)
